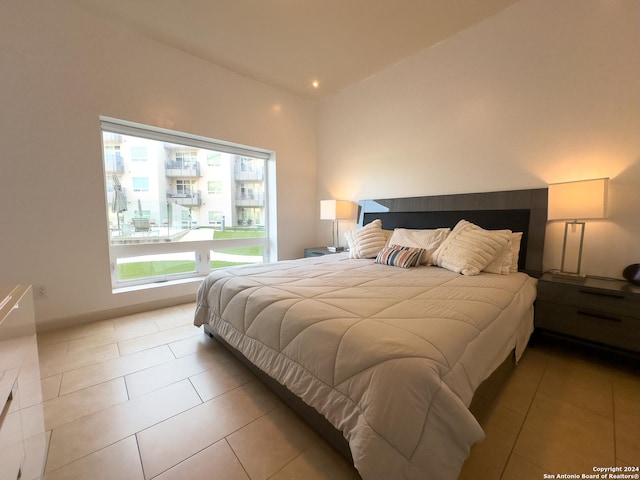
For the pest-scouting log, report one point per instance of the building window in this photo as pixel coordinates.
(140, 184)
(186, 187)
(168, 225)
(138, 154)
(214, 187)
(246, 164)
(112, 159)
(215, 217)
(186, 159)
(214, 159)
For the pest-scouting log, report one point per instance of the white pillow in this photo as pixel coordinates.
(469, 248)
(502, 263)
(516, 238)
(429, 240)
(507, 259)
(367, 241)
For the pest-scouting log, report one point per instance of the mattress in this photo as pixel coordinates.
(390, 356)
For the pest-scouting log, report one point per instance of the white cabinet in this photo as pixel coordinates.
(23, 440)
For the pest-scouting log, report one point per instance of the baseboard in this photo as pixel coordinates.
(113, 313)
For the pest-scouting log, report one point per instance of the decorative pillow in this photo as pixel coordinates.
(367, 241)
(429, 240)
(387, 235)
(507, 259)
(516, 238)
(397, 256)
(469, 248)
(502, 263)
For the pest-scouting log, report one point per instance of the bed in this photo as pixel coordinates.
(384, 361)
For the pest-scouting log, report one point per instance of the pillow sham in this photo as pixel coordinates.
(469, 248)
(399, 256)
(429, 240)
(501, 264)
(507, 259)
(516, 239)
(387, 235)
(367, 241)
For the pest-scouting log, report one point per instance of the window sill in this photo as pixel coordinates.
(161, 284)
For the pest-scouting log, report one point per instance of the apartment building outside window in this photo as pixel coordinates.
(180, 205)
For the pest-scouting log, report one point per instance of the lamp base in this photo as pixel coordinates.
(335, 249)
(574, 239)
(576, 277)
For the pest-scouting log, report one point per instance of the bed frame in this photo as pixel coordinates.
(518, 210)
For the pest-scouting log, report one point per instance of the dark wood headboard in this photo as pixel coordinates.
(518, 210)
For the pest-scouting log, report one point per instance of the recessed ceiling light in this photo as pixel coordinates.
(315, 84)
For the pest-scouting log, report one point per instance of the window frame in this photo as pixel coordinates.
(200, 248)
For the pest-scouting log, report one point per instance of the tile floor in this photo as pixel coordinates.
(150, 396)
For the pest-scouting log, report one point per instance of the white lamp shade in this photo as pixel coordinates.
(578, 200)
(335, 209)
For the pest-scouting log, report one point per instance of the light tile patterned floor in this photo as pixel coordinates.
(150, 396)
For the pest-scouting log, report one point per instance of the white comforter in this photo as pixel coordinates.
(390, 356)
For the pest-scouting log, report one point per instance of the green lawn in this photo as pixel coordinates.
(131, 271)
(239, 233)
(257, 250)
(221, 264)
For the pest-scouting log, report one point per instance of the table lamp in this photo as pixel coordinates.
(573, 201)
(335, 210)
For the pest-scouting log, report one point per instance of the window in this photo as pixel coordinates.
(112, 159)
(140, 184)
(185, 187)
(246, 164)
(138, 154)
(215, 217)
(161, 224)
(214, 186)
(214, 159)
(186, 159)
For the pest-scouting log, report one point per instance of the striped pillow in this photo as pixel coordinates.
(397, 256)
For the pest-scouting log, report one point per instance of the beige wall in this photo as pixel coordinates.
(60, 69)
(546, 91)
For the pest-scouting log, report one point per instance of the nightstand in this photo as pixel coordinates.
(602, 312)
(317, 252)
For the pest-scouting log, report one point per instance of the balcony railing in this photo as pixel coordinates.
(177, 169)
(186, 199)
(252, 174)
(114, 164)
(250, 200)
(112, 137)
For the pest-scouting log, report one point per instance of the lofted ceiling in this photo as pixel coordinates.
(289, 44)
